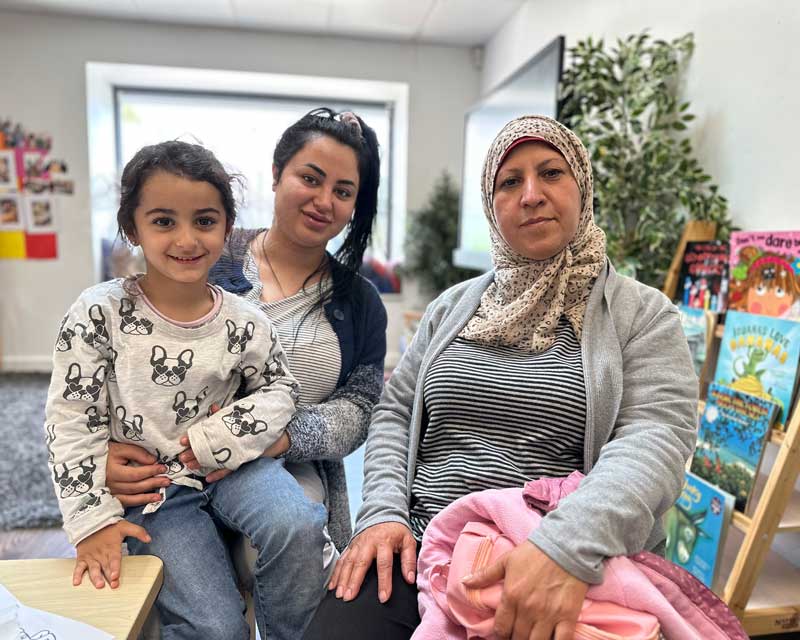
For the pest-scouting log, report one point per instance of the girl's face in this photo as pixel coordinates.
(181, 227)
(316, 192)
(537, 202)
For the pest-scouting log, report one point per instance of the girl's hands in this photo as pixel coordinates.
(101, 553)
(131, 485)
(540, 600)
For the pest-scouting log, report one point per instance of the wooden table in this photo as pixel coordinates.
(47, 585)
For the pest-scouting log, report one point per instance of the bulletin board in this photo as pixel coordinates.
(32, 184)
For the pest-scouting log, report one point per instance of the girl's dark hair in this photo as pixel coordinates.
(182, 159)
(362, 139)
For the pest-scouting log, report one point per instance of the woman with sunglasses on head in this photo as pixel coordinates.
(330, 320)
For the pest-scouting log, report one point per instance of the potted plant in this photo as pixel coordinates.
(623, 103)
(431, 238)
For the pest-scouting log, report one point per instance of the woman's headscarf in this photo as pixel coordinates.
(523, 305)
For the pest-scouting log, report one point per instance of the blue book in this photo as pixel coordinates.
(759, 355)
(696, 527)
(733, 432)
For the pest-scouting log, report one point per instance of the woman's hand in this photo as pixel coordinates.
(101, 553)
(129, 484)
(187, 456)
(379, 543)
(540, 600)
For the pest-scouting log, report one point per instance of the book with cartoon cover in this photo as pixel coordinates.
(765, 273)
(759, 355)
(696, 527)
(733, 432)
(703, 279)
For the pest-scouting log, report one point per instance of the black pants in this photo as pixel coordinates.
(365, 617)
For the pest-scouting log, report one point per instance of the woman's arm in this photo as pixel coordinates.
(639, 473)
(336, 427)
(382, 527)
(387, 452)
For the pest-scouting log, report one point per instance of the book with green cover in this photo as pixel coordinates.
(696, 527)
(759, 355)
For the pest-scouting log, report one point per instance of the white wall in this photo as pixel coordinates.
(742, 82)
(43, 87)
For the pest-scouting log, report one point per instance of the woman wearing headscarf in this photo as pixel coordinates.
(550, 363)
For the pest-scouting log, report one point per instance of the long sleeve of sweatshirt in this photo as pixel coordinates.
(241, 432)
(123, 372)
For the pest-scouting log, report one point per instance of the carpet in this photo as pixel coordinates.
(27, 497)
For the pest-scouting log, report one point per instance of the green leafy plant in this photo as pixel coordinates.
(432, 237)
(623, 103)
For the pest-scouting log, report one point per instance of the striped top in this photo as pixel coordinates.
(498, 417)
(313, 352)
(310, 344)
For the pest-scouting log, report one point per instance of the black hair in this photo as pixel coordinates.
(182, 159)
(362, 139)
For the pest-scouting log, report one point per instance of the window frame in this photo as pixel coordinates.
(105, 80)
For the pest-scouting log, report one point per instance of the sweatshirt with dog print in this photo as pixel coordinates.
(123, 372)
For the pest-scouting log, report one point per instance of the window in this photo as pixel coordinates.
(242, 131)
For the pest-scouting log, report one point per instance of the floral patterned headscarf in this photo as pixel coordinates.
(524, 304)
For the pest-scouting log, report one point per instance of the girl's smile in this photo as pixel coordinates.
(180, 226)
(188, 260)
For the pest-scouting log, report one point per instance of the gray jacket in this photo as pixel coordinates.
(641, 417)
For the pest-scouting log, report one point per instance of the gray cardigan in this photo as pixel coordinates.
(641, 417)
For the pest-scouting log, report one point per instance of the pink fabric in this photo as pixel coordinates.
(627, 582)
(690, 597)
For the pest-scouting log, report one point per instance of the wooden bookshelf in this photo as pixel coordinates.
(790, 520)
(774, 604)
(761, 587)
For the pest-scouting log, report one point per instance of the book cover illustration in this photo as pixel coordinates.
(698, 326)
(703, 280)
(733, 431)
(759, 355)
(696, 527)
(765, 273)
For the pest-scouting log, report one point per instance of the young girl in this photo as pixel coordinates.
(142, 360)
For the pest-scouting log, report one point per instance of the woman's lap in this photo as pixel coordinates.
(365, 617)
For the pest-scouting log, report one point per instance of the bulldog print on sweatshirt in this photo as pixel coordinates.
(123, 372)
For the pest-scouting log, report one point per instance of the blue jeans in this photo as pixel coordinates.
(200, 597)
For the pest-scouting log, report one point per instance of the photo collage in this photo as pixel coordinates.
(31, 182)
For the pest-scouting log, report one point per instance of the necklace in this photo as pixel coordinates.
(272, 271)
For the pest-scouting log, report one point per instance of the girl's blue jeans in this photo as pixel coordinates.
(200, 596)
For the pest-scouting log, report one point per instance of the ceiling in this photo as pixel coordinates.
(452, 22)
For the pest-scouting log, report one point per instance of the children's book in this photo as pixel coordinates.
(733, 432)
(696, 527)
(703, 279)
(759, 355)
(698, 326)
(765, 273)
